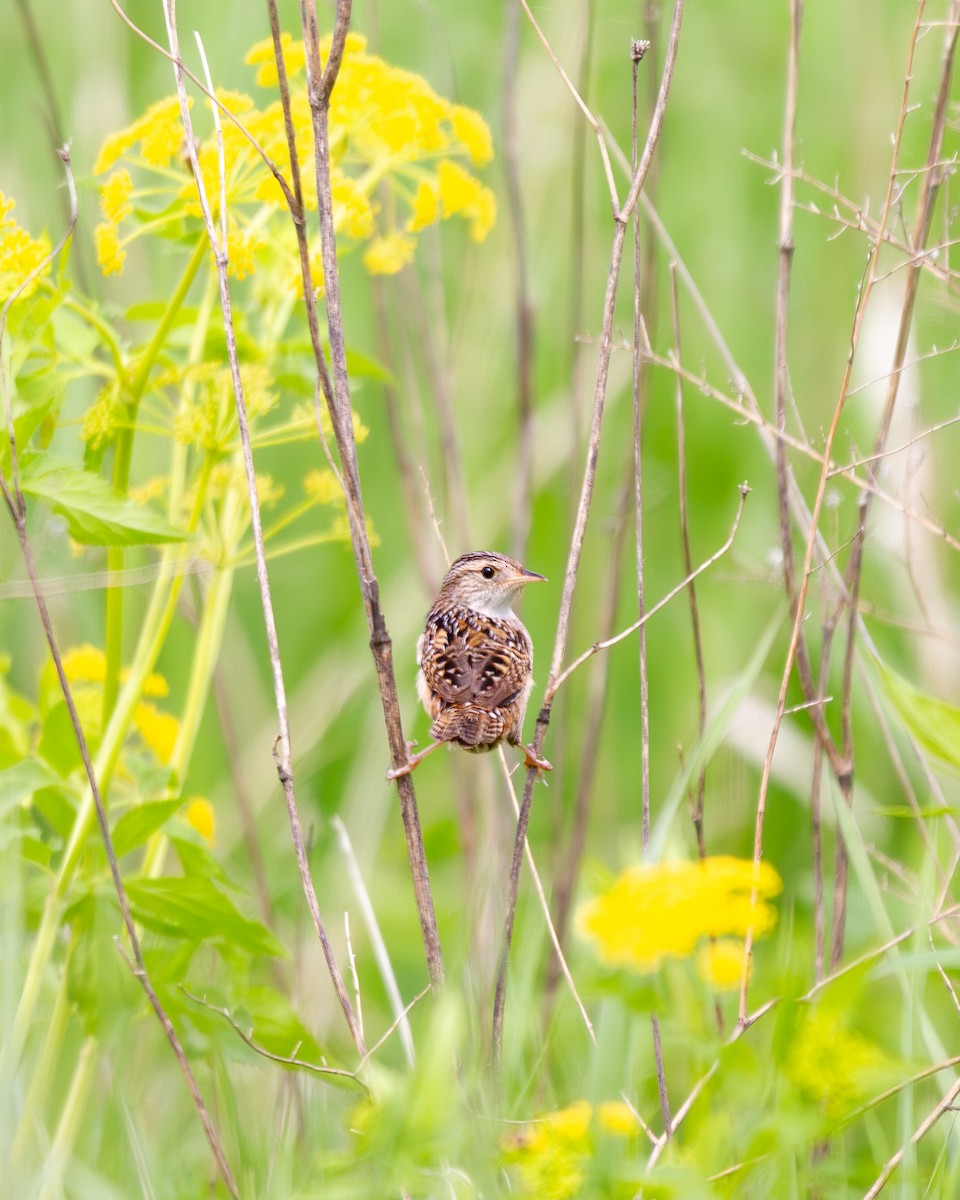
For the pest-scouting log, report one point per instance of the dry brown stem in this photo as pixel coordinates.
(622, 216)
(337, 393)
(282, 749)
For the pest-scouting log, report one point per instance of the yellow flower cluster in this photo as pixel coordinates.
(398, 155)
(550, 1157)
(19, 252)
(200, 814)
(835, 1066)
(86, 668)
(662, 910)
(209, 420)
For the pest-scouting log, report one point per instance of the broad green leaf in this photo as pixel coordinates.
(58, 808)
(196, 859)
(192, 908)
(58, 740)
(21, 780)
(97, 516)
(99, 982)
(136, 825)
(934, 723)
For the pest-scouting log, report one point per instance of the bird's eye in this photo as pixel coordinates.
(488, 572)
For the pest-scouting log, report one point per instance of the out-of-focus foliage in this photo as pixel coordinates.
(122, 407)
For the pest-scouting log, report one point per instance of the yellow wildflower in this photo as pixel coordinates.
(153, 489)
(483, 214)
(262, 56)
(720, 964)
(458, 188)
(85, 664)
(473, 131)
(352, 210)
(159, 133)
(20, 254)
(269, 492)
(462, 194)
(662, 910)
(617, 1117)
(834, 1065)
(159, 730)
(388, 255)
(550, 1155)
(115, 196)
(201, 815)
(321, 487)
(242, 247)
(110, 255)
(100, 422)
(426, 206)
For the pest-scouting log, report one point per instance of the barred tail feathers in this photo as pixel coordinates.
(468, 725)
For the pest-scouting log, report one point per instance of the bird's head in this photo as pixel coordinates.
(487, 581)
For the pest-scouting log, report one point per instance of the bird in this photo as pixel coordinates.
(476, 660)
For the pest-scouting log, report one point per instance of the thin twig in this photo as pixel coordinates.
(922, 1129)
(637, 51)
(591, 119)
(377, 944)
(545, 907)
(566, 874)
(651, 612)
(621, 217)
(285, 1060)
(337, 393)
(523, 304)
(697, 814)
(281, 750)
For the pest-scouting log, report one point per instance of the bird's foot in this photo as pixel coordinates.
(532, 759)
(413, 760)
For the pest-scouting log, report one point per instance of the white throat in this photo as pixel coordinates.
(500, 612)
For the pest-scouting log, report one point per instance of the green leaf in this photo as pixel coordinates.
(191, 908)
(196, 859)
(98, 981)
(934, 723)
(96, 515)
(19, 782)
(58, 808)
(135, 826)
(58, 740)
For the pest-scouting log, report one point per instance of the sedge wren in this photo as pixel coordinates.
(476, 659)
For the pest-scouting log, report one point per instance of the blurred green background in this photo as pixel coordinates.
(452, 330)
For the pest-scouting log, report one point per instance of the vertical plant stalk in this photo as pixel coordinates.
(621, 219)
(337, 392)
(566, 874)
(863, 297)
(16, 506)
(931, 179)
(523, 305)
(637, 51)
(132, 387)
(282, 750)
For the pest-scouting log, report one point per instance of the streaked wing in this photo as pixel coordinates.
(469, 661)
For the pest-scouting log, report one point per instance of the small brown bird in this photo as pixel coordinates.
(476, 660)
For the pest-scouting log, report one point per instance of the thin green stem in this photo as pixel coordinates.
(131, 393)
(70, 1119)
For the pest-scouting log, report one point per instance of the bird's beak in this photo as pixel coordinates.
(532, 576)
